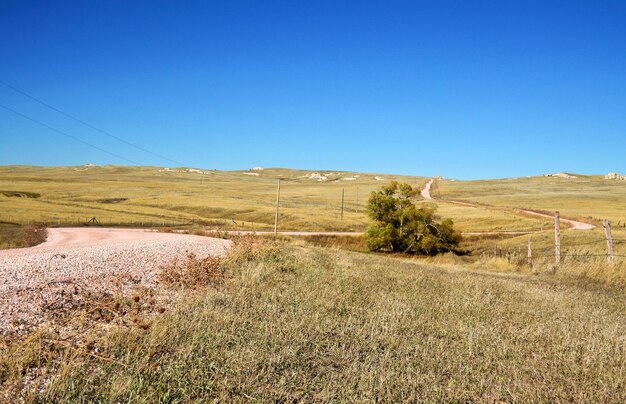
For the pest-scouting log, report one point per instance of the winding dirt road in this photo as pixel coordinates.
(426, 191)
(574, 224)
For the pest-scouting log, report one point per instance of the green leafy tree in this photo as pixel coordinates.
(401, 226)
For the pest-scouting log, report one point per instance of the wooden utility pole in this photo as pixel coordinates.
(609, 238)
(342, 196)
(557, 237)
(277, 204)
(530, 252)
(357, 200)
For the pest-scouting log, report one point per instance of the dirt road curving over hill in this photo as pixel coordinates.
(426, 190)
(76, 259)
(574, 224)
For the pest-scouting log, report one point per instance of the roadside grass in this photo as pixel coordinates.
(15, 236)
(350, 243)
(294, 322)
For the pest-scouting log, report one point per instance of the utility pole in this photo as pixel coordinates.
(342, 195)
(557, 237)
(609, 238)
(277, 204)
(357, 200)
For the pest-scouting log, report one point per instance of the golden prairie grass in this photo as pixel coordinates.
(586, 197)
(150, 197)
(301, 323)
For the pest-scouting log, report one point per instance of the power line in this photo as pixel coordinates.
(68, 135)
(89, 125)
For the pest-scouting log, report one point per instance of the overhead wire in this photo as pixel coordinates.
(45, 125)
(92, 127)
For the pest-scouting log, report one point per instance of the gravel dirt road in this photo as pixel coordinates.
(99, 259)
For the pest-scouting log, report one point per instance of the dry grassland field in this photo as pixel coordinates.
(583, 197)
(314, 318)
(156, 196)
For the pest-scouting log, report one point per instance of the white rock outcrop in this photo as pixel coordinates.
(560, 175)
(614, 176)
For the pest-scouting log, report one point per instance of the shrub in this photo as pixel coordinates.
(402, 227)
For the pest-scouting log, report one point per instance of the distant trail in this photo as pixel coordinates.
(426, 190)
(574, 224)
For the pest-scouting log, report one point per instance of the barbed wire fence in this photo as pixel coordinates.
(577, 251)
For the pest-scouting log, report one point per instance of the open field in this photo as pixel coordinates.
(590, 198)
(306, 319)
(310, 201)
(242, 200)
(304, 323)
(152, 196)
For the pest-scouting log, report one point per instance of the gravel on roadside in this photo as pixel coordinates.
(33, 278)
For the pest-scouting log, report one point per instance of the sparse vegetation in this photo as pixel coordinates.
(20, 194)
(303, 323)
(351, 243)
(13, 236)
(306, 320)
(194, 272)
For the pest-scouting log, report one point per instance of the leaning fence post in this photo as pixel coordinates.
(557, 237)
(609, 238)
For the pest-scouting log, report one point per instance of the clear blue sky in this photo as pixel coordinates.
(464, 89)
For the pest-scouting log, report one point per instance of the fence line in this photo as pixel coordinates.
(560, 251)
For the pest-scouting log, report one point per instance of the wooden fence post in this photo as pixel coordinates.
(530, 252)
(609, 238)
(342, 197)
(557, 237)
(277, 204)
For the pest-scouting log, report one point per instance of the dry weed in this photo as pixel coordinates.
(193, 272)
